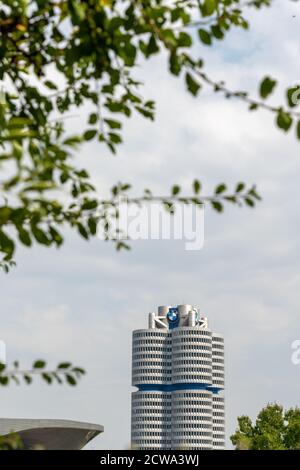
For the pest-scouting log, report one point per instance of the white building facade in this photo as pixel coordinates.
(178, 369)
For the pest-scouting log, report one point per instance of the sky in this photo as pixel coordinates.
(81, 302)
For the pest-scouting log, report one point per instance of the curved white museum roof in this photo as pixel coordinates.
(51, 434)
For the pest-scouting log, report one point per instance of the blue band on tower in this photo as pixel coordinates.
(177, 387)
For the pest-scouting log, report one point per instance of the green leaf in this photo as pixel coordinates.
(92, 224)
(89, 134)
(115, 138)
(40, 236)
(70, 379)
(220, 189)
(78, 370)
(197, 187)
(209, 7)
(240, 187)
(293, 96)
(204, 36)
(253, 192)
(175, 64)
(47, 378)
(24, 236)
(232, 199)
(39, 364)
(4, 380)
(266, 87)
(191, 83)
(168, 38)
(128, 52)
(175, 190)
(56, 236)
(27, 379)
(113, 124)
(64, 365)
(217, 32)
(6, 244)
(253, 107)
(90, 205)
(82, 230)
(249, 202)
(152, 47)
(125, 186)
(122, 246)
(284, 120)
(93, 118)
(184, 40)
(218, 206)
(72, 141)
(5, 214)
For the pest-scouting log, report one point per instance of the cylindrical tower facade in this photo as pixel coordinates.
(178, 369)
(192, 356)
(151, 420)
(218, 382)
(192, 420)
(151, 357)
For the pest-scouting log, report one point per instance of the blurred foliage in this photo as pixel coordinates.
(65, 372)
(60, 56)
(11, 442)
(274, 429)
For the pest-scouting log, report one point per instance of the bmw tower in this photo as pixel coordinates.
(178, 370)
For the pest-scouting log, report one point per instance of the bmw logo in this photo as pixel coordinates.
(172, 315)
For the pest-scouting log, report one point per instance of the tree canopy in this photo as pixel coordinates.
(274, 429)
(56, 56)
